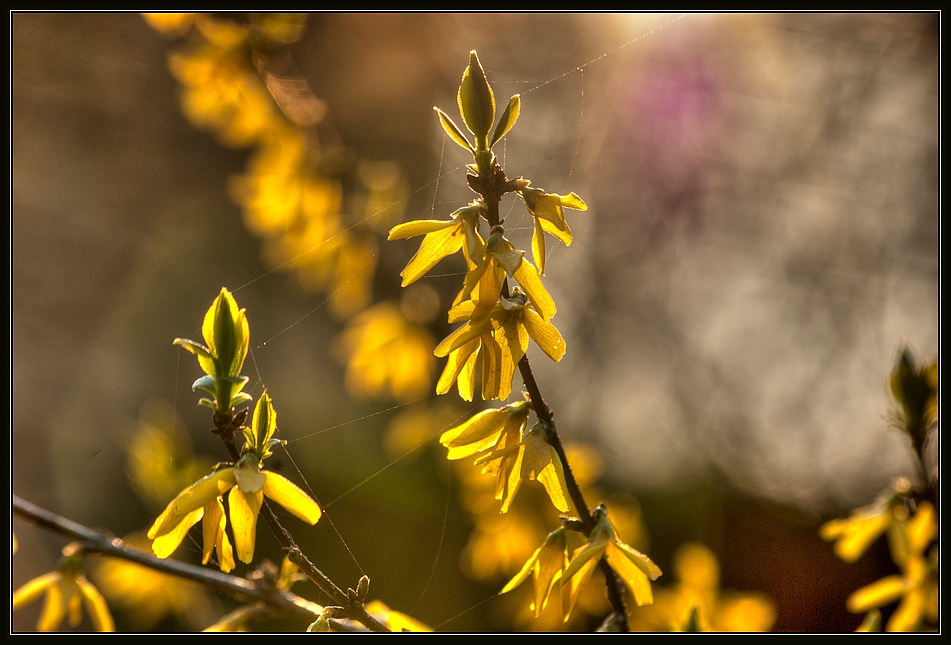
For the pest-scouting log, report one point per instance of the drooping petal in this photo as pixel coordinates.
(192, 498)
(510, 478)
(434, 247)
(538, 245)
(212, 530)
(244, 517)
(418, 227)
(54, 608)
(634, 578)
(548, 569)
(292, 498)
(573, 585)
(461, 336)
(527, 569)
(545, 335)
(164, 545)
(641, 561)
(485, 425)
(34, 589)
(538, 295)
(493, 384)
(562, 234)
(552, 477)
(879, 593)
(96, 606)
(457, 362)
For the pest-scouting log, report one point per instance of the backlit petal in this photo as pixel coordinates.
(96, 607)
(164, 545)
(296, 501)
(244, 517)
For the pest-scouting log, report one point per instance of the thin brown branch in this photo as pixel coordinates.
(241, 589)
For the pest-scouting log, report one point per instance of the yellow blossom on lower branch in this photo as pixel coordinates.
(66, 591)
(552, 570)
(246, 486)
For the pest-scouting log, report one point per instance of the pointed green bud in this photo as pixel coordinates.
(263, 426)
(477, 102)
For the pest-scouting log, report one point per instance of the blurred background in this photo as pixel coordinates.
(761, 240)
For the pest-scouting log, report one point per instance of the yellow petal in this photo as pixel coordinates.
(458, 360)
(292, 498)
(633, 577)
(53, 610)
(923, 527)
(591, 550)
(194, 497)
(545, 335)
(552, 477)
(212, 523)
(527, 569)
(509, 478)
(527, 277)
(485, 424)
(538, 246)
(562, 234)
(418, 227)
(96, 607)
(907, 615)
(493, 385)
(882, 592)
(434, 247)
(244, 517)
(467, 377)
(164, 545)
(461, 336)
(571, 587)
(548, 570)
(34, 588)
(641, 561)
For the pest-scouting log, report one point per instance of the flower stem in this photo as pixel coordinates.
(491, 188)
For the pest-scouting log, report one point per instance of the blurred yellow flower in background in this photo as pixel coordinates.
(146, 596)
(387, 355)
(698, 590)
(916, 588)
(66, 591)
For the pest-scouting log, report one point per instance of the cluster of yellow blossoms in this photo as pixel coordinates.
(493, 339)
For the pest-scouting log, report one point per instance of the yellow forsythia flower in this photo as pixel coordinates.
(246, 485)
(916, 588)
(635, 569)
(505, 450)
(66, 591)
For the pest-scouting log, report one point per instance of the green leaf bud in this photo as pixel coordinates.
(476, 102)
